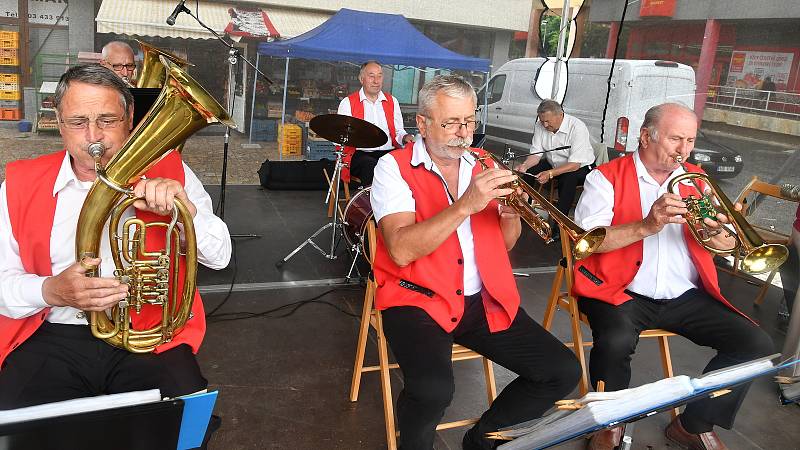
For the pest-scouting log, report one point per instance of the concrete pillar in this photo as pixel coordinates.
(613, 33)
(706, 64)
(533, 44)
(502, 43)
(81, 26)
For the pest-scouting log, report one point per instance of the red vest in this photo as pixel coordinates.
(31, 206)
(604, 276)
(441, 273)
(357, 111)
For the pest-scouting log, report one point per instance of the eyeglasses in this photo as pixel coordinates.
(82, 123)
(119, 67)
(455, 126)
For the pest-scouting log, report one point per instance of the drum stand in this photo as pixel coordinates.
(335, 223)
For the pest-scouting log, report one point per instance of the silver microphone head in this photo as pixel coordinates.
(96, 149)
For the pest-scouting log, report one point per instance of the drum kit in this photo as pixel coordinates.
(350, 132)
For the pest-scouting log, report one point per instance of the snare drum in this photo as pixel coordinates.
(357, 215)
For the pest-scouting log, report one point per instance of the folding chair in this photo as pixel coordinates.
(564, 299)
(371, 317)
(754, 189)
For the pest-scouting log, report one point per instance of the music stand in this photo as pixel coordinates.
(346, 131)
(146, 426)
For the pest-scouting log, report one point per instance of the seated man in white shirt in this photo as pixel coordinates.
(119, 57)
(380, 109)
(444, 276)
(568, 153)
(47, 350)
(649, 272)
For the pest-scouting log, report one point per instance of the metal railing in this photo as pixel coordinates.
(786, 104)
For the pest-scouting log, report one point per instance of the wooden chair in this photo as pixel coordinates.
(371, 317)
(565, 300)
(753, 189)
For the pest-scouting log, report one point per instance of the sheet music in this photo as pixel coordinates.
(79, 405)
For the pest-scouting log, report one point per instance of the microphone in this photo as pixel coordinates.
(178, 9)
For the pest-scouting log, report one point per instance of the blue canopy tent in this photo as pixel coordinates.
(355, 36)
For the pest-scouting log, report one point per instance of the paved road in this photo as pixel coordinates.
(770, 163)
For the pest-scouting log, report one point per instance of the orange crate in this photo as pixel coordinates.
(9, 114)
(12, 35)
(9, 43)
(4, 61)
(292, 149)
(10, 95)
(8, 52)
(9, 78)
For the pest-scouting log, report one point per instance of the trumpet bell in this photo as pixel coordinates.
(587, 243)
(765, 259)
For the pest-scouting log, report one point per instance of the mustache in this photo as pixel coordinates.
(460, 142)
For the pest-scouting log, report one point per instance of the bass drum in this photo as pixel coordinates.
(357, 215)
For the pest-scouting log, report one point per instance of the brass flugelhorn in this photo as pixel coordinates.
(757, 255)
(584, 242)
(182, 108)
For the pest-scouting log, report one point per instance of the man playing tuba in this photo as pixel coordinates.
(650, 273)
(47, 352)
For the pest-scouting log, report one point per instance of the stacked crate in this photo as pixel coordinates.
(10, 92)
(319, 148)
(290, 136)
(265, 130)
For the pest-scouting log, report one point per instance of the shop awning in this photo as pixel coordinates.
(148, 18)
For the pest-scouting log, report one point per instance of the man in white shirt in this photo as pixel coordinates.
(119, 57)
(568, 153)
(48, 350)
(379, 108)
(650, 273)
(443, 275)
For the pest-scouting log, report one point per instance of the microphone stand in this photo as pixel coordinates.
(234, 55)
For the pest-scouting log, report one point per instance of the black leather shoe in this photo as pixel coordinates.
(472, 441)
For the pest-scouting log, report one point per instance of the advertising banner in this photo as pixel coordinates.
(750, 69)
(42, 12)
(657, 8)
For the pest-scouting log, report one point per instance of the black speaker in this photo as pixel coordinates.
(295, 175)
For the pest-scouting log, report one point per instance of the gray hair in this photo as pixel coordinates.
(550, 106)
(107, 48)
(449, 85)
(364, 66)
(653, 116)
(95, 75)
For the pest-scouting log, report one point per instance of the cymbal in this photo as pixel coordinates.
(348, 130)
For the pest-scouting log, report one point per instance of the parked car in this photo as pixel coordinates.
(717, 160)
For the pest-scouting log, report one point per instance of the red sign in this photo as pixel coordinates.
(657, 8)
(250, 23)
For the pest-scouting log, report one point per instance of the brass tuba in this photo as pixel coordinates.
(153, 73)
(757, 256)
(585, 242)
(182, 108)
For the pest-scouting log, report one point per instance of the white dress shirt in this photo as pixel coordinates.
(21, 292)
(573, 133)
(391, 194)
(667, 270)
(373, 113)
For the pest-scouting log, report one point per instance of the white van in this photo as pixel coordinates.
(636, 85)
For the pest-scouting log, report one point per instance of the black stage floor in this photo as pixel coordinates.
(284, 377)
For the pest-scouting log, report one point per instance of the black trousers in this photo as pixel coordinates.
(567, 183)
(547, 370)
(62, 362)
(362, 165)
(694, 315)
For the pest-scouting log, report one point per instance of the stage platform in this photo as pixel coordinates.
(284, 377)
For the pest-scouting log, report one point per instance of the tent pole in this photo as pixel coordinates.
(253, 99)
(283, 110)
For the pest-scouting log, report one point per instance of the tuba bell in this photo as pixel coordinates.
(584, 242)
(153, 73)
(756, 255)
(182, 108)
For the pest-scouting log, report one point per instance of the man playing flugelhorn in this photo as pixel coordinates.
(650, 273)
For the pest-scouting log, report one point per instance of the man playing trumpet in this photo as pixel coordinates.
(444, 276)
(650, 273)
